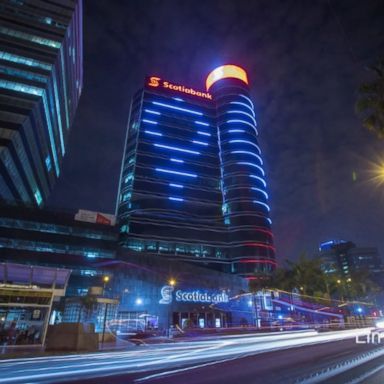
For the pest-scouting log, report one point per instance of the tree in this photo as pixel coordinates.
(305, 275)
(370, 104)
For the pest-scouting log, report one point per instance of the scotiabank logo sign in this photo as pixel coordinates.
(195, 296)
(156, 82)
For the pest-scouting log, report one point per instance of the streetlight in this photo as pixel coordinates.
(139, 301)
(172, 283)
(106, 279)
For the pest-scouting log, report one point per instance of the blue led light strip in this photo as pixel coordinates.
(202, 123)
(248, 99)
(203, 133)
(263, 204)
(249, 153)
(236, 131)
(177, 160)
(177, 99)
(176, 185)
(153, 112)
(261, 191)
(243, 122)
(244, 105)
(176, 149)
(176, 198)
(243, 113)
(149, 121)
(199, 142)
(246, 142)
(251, 165)
(177, 108)
(175, 172)
(153, 133)
(259, 178)
(269, 220)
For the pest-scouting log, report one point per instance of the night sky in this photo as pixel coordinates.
(305, 60)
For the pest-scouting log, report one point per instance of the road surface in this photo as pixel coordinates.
(289, 357)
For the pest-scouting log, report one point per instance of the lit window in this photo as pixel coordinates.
(33, 38)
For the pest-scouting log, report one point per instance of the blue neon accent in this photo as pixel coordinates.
(252, 165)
(236, 131)
(50, 133)
(259, 178)
(154, 133)
(263, 204)
(249, 153)
(176, 198)
(269, 220)
(57, 102)
(177, 99)
(244, 105)
(149, 121)
(176, 185)
(248, 99)
(48, 163)
(203, 133)
(246, 142)
(242, 122)
(261, 191)
(175, 172)
(153, 112)
(24, 60)
(177, 160)
(177, 108)
(199, 142)
(202, 123)
(243, 113)
(176, 149)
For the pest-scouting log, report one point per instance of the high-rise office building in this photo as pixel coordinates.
(41, 77)
(192, 182)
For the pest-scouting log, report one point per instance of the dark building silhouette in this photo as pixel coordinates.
(344, 258)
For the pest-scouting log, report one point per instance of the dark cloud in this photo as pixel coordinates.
(305, 60)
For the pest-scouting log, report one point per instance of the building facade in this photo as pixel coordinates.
(192, 183)
(41, 78)
(56, 239)
(107, 279)
(344, 259)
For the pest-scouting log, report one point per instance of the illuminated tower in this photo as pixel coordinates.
(41, 77)
(245, 200)
(192, 185)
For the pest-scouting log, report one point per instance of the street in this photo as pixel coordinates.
(299, 356)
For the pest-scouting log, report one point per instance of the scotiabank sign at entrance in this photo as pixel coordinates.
(158, 82)
(201, 297)
(195, 296)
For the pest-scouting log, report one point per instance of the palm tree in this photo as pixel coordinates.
(305, 275)
(370, 104)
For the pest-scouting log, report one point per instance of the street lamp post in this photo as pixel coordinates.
(172, 283)
(105, 281)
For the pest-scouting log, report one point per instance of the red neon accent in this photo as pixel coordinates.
(225, 72)
(257, 261)
(261, 245)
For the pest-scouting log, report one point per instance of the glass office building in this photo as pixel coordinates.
(41, 78)
(192, 182)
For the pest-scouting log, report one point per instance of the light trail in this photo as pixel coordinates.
(168, 357)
